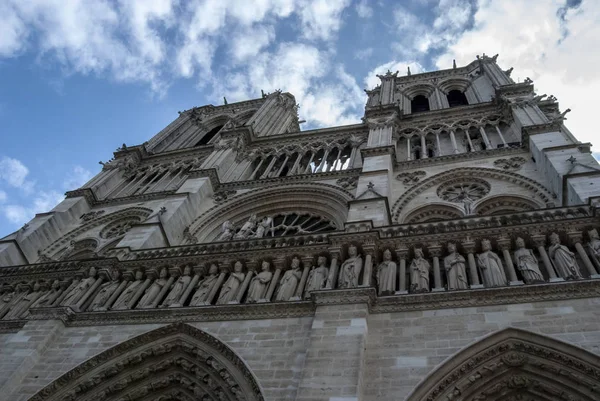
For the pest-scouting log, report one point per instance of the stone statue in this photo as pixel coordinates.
(350, 269)
(227, 231)
(527, 263)
(491, 266)
(456, 272)
(80, 289)
(263, 226)
(21, 306)
(153, 291)
(123, 300)
(259, 283)
(205, 286)
(317, 278)
(386, 274)
(419, 272)
(594, 246)
(178, 288)
(563, 259)
(229, 290)
(289, 282)
(106, 290)
(49, 297)
(467, 204)
(247, 229)
(6, 301)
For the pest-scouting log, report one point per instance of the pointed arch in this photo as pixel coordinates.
(512, 363)
(176, 360)
(540, 194)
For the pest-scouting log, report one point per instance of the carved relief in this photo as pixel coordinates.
(350, 269)
(221, 196)
(411, 178)
(512, 164)
(91, 215)
(347, 182)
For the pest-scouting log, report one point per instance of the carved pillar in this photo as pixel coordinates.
(576, 238)
(140, 291)
(435, 250)
(402, 253)
(269, 167)
(279, 265)
(469, 140)
(423, 147)
(252, 176)
(65, 291)
(79, 305)
(439, 146)
(488, 144)
(287, 157)
(540, 243)
(189, 289)
(453, 139)
(307, 262)
(217, 285)
(504, 245)
(500, 135)
(408, 149)
(296, 163)
(163, 290)
(469, 247)
(333, 270)
(117, 292)
(251, 270)
(308, 168)
(368, 268)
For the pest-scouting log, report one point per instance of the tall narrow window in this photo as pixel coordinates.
(457, 98)
(209, 135)
(419, 103)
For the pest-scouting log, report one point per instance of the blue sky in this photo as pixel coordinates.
(80, 77)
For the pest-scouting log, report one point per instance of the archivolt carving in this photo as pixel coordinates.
(176, 360)
(434, 212)
(458, 83)
(467, 173)
(510, 364)
(140, 212)
(325, 200)
(505, 204)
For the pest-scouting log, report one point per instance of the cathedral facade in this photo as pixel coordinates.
(444, 249)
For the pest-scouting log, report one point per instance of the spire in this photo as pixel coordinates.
(408, 72)
(454, 64)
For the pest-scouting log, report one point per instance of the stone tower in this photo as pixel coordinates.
(445, 248)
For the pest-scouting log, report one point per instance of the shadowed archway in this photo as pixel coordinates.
(514, 365)
(175, 362)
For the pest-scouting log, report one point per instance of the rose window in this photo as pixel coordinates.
(473, 190)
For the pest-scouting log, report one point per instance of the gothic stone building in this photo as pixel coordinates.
(443, 249)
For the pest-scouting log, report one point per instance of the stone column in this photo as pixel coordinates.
(469, 247)
(251, 270)
(333, 269)
(469, 140)
(439, 146)
(576, 238)
(279, 266)
(453, 139)
(485, 138)
(79, 305)
(423, 147)
(269, 167)
(504, 245)
(189, 289)
(435, 250)
(368, 267)
(307, 262)
(402, 253)
(115, 294)
(500, 135)
(540, 243)
(408, 149)
(164, 290)
(140, 291)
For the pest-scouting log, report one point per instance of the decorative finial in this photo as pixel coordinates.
(408, 68)
(262, 93)
(454, 64)
(224, 100)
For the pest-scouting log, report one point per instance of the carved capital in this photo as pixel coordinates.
(307, 261)
(539, 240)
(402, 252)
(575, 236)
(468, 246)
(435, 249)
(504, 243)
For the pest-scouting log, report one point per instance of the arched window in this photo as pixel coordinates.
(457, 98)
(209, 135)
(419, 103)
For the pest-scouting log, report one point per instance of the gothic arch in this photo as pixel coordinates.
(140, 213)
(504, 204)
(328, 201)
(177, 361)
(539, 193)
(457, 83)
(512, 365)
(433, 212)
(423, 89)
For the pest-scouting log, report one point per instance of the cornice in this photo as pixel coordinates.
(407, 79)
(364, 295)
(458, 157)
(11, 326)
(542, 128)
(300, 178)
(378, 151)
(522, 88)
(314, 134)
(454, 113)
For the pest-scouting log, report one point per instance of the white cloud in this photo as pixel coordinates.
(371, 79)
(43, 202)
(557, 53)
(76, 178)
(14, 173)
(321, 19)
(3, 196)
(12, 30)
(248, 43)
(363, 9)
(363, 54)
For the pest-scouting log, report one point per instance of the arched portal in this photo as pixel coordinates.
(514, 365)
(175, 362)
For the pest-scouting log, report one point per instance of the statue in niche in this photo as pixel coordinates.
(456, 272)
(259, 283)
(419, 272)
(289, 282)
(563, 259)
(229, 290)
(19, 307)
(317, 278)
(262, 227)
(154, 290)
(227, 231)
(49, 297)
(491, 266)
(386, 274)
(80, 289)
(6, 301)
(350, 269)
(527, 263)
(467, 203)
(178, 288)
(106, 290)
(123, 300)
(247, 229)
(204, 287)
(594, 246)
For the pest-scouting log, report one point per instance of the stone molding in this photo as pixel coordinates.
(479, 155)
(299, 178)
